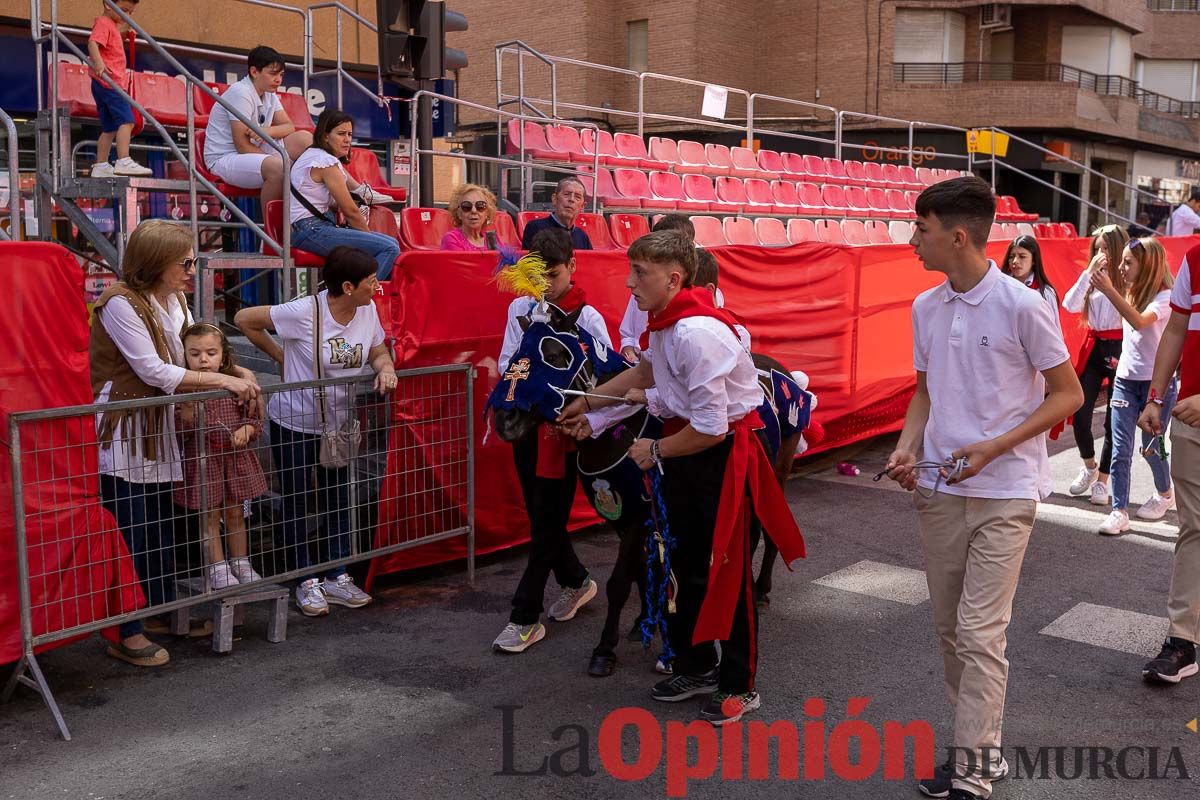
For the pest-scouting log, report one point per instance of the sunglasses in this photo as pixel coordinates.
(1106, 229)
(479, 205)
(188, 264)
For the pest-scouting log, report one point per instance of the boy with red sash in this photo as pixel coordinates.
(714, 473)
(1179, 349)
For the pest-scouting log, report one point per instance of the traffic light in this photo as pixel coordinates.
(412, 38)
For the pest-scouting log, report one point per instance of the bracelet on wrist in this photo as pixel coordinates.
(1154, 398)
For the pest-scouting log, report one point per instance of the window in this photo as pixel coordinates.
(1100, 49)
(636, 41)
(1168, 77)
(925, 36)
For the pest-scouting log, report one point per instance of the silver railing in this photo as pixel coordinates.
(339, 70)
(14, 178)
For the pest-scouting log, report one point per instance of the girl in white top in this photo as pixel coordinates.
(1097, 362)
(1023, 261)
(1145, 308)
(320, 183)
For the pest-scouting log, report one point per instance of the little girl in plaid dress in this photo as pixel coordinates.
(232, 473)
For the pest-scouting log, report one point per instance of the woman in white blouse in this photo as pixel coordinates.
(135, 353)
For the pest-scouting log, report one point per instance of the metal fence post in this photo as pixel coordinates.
(470, 411)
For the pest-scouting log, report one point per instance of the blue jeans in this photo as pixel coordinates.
(321, 236)
(296, 455)
(1128, 400)
(145, 513)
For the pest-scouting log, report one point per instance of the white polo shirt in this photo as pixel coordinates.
(218, 136)
(982, 353)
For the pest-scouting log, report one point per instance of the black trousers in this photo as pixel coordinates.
(692, 491)
(1095, 373)
(548, 502)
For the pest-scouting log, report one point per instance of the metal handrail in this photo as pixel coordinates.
(750, 130)
(643, 114)
(911, 125)
(340, 71)
(14, 177)
(521, 49)
(306, 23)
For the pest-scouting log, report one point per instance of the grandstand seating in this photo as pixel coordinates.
(877, 232)
(274, 225)
(297, 110)
(855, 232)
(364, 168)
(830, 231)
(740, 230)
(526, 217)
(669, 186)
(423, 228)
(596, 229)
(771, 232)
(900, 231)
(720, 162)
(165, 99)
(630, 146)
(601, 143)
(634, 183)
(700, 188)
(801, 230)
(202, 168)
(627, 228)
(75, 90)
(709, 232)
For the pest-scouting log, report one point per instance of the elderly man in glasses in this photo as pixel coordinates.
(568, 200)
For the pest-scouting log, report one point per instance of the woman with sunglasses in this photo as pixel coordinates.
(321, 185)
(472, 208)
(1024, 262)
(1096, 362)
(136, 354)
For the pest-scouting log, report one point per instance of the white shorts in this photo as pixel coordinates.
(240, 169)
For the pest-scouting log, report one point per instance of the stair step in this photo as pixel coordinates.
(111, 188)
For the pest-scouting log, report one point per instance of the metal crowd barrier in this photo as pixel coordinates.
(79, 571)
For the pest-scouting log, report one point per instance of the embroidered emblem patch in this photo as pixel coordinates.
(608, 502)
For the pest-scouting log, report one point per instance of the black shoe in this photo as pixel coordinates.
(962, 794)
(681, 687)
(723, 708)
(940, 784)
(602, 665)
(1176, 661)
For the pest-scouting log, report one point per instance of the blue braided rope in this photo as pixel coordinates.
(657, 580)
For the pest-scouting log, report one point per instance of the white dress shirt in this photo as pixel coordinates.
(1183, 222)
(1102, 314)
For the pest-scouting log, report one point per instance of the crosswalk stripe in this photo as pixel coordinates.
(1111, 628)
(884, 581)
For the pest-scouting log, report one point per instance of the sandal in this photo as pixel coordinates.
(149, 656)
(159, 627)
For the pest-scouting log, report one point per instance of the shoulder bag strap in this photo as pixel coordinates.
(318, 373)
(310, 207)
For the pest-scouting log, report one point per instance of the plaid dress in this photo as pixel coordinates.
(232, 474)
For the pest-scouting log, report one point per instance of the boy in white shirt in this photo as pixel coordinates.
(993, 375)
(633, 324)
(548, 477)
(714, 471)
(232, 151)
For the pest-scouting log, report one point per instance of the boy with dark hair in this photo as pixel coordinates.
(715, 473)
(107, 52)
(993, 375)
(634, 321)
(235, 153)
(548, 477)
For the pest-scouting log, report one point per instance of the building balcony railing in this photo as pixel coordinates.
(978, 71)
(1173, 5)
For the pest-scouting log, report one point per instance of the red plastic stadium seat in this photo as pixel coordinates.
(908, 176)
(900, 231)
(669, 186)
(855, 232)
(536, 145)
(856, 175)
(770, 232)
(631, 146)
(793, 167)
(925, 176)
(1014, 210)
(891, 174)
(606, 191)
(834, 197)
(740, 230)
(596, 229)
(224, 188)
(627, 228)
(1010, 230)
(878, 200)
(785, 197)
(745, 164)
(811, 201)
(607, 147)
(274, 224)
(814, 167)
(835, 170)
(874, 172)
(700, 188)
(709, 232)
(297, 110)
(733, 192)
(877, 232)
(203, 104)
(665, 150)
(897, 205)
(1068, 229)
(423, 228)
(830, 231)
(720, 162)
(997, 233)
(505, 230)
(564, 140)
(692, 159)
(364, 168)
(526, 217)
(165, 99)
(857, 204)
(75, 90)
(771, 161)
(634, 183)
(802, 230)
(762, 201)
(910, 200)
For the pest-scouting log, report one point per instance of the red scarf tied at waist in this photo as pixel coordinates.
(1081, 360)
(553, 447)
(693, 302)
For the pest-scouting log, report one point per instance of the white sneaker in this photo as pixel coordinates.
(1084, 481)
(518, 638)
(1100, 495)
(129, 168)
(1115, 523)
(343, 592)
(311, 599)
(220, 576)
(103, 170)
(1156, 507)
(244, 570)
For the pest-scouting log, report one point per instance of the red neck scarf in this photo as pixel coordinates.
(573, 300)
(694, 302)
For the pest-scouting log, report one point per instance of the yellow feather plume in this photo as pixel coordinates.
(526, 277)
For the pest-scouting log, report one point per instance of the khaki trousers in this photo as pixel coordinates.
(1183, 601)
(973, 553)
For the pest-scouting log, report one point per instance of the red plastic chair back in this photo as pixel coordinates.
(423, 228)
(627, 228)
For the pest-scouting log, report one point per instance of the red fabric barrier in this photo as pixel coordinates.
(76, 554)
(841, 314)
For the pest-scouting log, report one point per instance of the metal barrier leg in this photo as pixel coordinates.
(277, 624)
(36, 681)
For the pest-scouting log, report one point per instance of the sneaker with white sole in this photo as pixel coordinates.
(311, 599)
(1176, 661)
(940, 784)
(128, 168)
(220, 576)
(723, 708)
(102, 170)
(571, 600)
(243, 570)
(681, 687)
(343, 592)
(518, 638)
(1115, 523)
(1082, 483)
(1100, 495)
(1156, 507)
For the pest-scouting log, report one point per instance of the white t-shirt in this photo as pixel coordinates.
(1139, 347)
(982, 353)
(1183, 221)
(344, 350)
(218, 136)
(315, 193)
